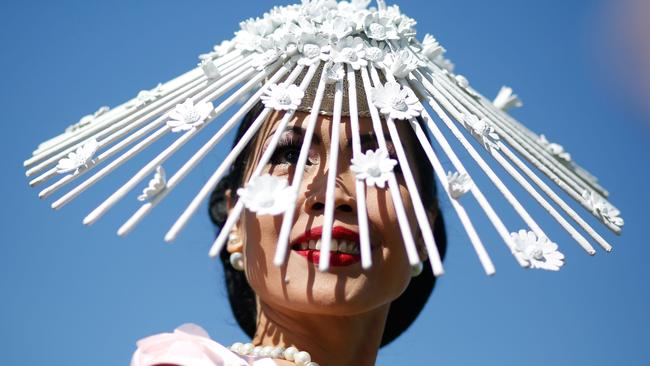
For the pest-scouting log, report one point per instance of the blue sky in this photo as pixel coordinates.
(73, 295)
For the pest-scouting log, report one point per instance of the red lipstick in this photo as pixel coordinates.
(337, 259)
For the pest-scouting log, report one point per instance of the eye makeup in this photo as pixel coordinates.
(288, 150)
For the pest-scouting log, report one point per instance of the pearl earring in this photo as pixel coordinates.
(237, 261)
(416, 269)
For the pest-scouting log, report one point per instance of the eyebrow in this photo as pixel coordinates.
(368, 138)
(298, 131)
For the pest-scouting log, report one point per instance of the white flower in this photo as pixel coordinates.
(379, 27)
(463, 83)
(506, 100)
(253, 35)
(267, 195)
(401, 63)
(286, 38)
(317, 10)
(395, 101)
(224, 47)
(209, 69)
(601, 208)
(334, 72)
(354, 5)
(555, 149)
(444, 63)
(374, 167)
(281, 97)
(258, 26)
(350, 51)
(146, 96)
(285, 14)
(483, 131)
(539, 252)
(156, 185)
(219, 50)
(307, 27)
(376, 52)
(313, 49)
(431, 49)
(264, 59)
(337, 27)
(247, 41)
(459, 184)
(78, 159)
(405, 26)
(88, 119)
(186, 116)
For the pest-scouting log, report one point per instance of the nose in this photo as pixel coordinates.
(344, 200)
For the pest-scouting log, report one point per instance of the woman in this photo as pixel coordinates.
(339, 317)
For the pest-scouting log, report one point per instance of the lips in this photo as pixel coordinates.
(344, 249)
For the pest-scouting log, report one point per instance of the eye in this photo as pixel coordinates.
(285, 155)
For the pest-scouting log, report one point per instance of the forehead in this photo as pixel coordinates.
(323, 127)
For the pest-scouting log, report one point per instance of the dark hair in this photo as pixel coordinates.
(403, 310)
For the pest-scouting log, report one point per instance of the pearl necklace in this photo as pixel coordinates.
(300, 358)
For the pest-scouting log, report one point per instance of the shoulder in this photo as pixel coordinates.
(188, 345)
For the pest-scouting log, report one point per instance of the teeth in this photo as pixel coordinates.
(336, 245)
(343, 246)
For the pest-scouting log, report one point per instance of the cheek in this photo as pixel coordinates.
(382, 216)
(261, 233)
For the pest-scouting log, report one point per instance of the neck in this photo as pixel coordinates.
(330, 340)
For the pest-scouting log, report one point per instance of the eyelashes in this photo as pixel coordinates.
(287, 152)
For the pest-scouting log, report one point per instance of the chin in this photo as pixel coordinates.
(333, 293)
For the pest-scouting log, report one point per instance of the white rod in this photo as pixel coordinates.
(115, 114)
(136, 149)
(360, 185)
(523, 142)
(420, 212)
(287, 219)
(581, 240)
(458, 165)
(237, 210)
(151, 109)
(332, 172)
(531, 136)
(474, 238)
(535, 160)
(519, 208)
(130, 224)
(515, 137)
(193, 89)
(175, 146)
(133, 151)
(402, 219)
(599, 239)
(205, 149)
(169, 87)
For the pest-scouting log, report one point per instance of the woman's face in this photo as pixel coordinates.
(344, 289)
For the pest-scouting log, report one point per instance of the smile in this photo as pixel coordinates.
(344, 246)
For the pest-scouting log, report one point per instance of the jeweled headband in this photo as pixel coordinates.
(335, 58)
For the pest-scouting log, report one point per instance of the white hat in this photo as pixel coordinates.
(335, 58)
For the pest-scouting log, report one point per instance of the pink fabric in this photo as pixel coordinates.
(190, 345)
